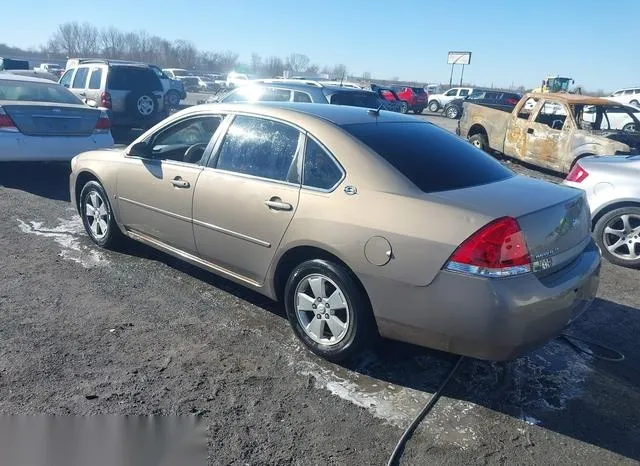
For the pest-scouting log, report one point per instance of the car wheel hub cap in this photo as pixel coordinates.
(476, 143)
(322, 309)
(145, 105)
(621, 237)
(96, 215)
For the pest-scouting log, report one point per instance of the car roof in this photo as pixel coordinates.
(337, 114)
(17, 77)
(572, 98)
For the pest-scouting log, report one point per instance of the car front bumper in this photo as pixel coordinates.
(493, 319)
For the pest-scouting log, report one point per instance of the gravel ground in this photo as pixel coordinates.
(86, 331)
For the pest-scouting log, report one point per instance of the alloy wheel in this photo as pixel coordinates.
(621, 236)
(145, 105)
(322, 310)
(97, 215)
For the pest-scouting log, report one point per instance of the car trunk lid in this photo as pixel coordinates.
(36, 119)
(555, 220)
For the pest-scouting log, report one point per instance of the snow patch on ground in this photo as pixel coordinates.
(67, 235)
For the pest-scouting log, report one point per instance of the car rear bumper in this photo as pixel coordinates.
(17, 147)
(493, 319)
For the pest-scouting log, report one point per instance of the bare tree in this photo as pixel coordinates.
(112, 42)
(186, 54)
(88, 45)
(228, 61)
(313, 69)
(256, 63)
(366, 76)
(339, 71)
(273, 66)
(66, 39)
(297, 62)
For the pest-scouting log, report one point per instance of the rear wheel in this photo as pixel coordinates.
(618, 236)
(634, 102)
(327, 309)
(173, 99)
(452, 112)
(480, 141)
(629, 127)
(97, 216)
(418, 110)
(404, 107)
(434, 106)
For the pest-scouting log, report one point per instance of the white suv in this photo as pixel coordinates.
(627, 96)
(438, 101)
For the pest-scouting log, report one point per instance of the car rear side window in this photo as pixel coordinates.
(430, 157)
(301, 97)
(96, 78)
(127, 78)
(80, 80)
(66, 78)
(320, 170)
(356, 99)
(260, 147)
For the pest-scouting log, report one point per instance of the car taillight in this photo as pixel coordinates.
(577, 174)
(103, 124)
(6, 123)
(496, 250)
(105, 100)
(512, 101)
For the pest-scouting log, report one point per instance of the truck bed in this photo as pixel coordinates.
(482, 118)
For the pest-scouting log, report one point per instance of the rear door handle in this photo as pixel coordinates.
(530, 130)
(178, 182)
(83, 94)
(275, 203)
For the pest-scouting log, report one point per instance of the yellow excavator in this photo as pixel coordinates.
(556, 84)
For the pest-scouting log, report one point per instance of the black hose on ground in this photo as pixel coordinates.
(397, 451)
(571, 340)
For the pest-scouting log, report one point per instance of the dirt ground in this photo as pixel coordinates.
(86, 331)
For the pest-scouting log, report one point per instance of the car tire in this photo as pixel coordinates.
(451, 112)
(418, 110)
(480, 141)
(142, 105)
(173, 99)
(629, 127)
(613, 221)
(349, 315)
(404, 107)
(634, 102)
(434, 106)
(99, 221)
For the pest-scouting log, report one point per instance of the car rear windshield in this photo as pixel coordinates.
(25, 91)
(356, 99)
(418, 90)
(128, 78)
(432, 158)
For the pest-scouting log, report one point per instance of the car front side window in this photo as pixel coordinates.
(66, 78)
(451, 93)
(260, 147)
(186, 140)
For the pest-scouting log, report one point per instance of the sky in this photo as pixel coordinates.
(515, 42)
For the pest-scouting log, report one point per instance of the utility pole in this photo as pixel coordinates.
(451, 77)
(461, 75)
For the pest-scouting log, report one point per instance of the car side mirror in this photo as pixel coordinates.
(139, 149)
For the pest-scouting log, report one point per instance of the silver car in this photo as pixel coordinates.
(613, 193)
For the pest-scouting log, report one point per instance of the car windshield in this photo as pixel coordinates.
(418, 90)
(25, 91)
(559, 84)
(424, 154)
(606, 117)
(180, 73)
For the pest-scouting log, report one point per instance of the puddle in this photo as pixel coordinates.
(67, 235)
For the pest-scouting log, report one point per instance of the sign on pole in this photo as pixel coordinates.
(459, 58)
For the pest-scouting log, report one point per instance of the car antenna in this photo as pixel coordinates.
(375, 112)
(342, 78)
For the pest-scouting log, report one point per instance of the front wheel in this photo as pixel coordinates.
(479, 140)
(404, 107)
(434, 106)
(327, 309)
(618, 236)
(418, 110)
(97, 216)
(173, 99)
(452, 112)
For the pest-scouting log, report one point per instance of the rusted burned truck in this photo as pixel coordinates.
(554, 130)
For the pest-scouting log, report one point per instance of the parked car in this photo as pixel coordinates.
(176, 73)
(40, 120)
(34, 74)
(552, 130)
(13, 64)
(438, 101)
(613, 193)
(191, 83)
(131, 93)
(390, 99)
(629, 95)
(295, 90)
(173, 89)
(52, 68)
(416, 98)
(236, 79)
(491, 98)
(206, 84)
(331, 210)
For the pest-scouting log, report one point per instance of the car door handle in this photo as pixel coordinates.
(275, 203)
(83, 94)
(530, 131)
(180, 183)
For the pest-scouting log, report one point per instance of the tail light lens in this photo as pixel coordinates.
(512, 101)
(105, 100)
(496, 250)
(577, 174)
(6, 123)
(103, 125)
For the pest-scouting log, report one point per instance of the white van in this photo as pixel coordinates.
(630, 95)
